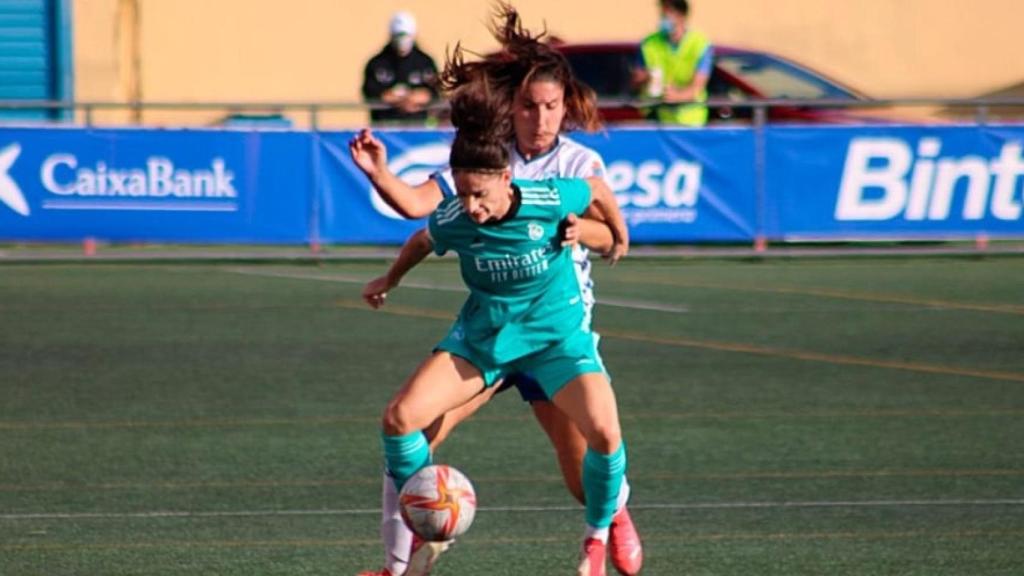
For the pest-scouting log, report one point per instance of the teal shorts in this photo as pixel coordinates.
(552, 367)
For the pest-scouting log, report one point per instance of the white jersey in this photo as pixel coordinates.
(567, 159)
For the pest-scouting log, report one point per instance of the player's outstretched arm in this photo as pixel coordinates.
(371, 157)
(604, 207)
(415, 249)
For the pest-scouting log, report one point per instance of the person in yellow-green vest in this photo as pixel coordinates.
(675, 64)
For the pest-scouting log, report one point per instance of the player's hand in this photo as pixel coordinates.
(376, 292)
(618, 251)
(571, 230)
(368, 153)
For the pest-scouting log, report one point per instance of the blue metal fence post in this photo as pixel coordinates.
(760, 120)
(316, 181)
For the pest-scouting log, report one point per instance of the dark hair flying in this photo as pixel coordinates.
(481, 92)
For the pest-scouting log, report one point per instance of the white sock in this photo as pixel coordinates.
(599, 533)
(602, 533)
(623, 495)
(395, 535)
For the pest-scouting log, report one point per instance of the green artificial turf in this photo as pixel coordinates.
(832, 416)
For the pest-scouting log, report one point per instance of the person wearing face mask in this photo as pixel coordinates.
(401, 76)
(674, 67)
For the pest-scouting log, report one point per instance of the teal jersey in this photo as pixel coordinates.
(524, 294)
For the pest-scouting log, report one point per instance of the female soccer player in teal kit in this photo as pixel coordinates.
(525, 312)
(547, 100)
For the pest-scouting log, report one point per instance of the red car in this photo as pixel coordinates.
(739, 75)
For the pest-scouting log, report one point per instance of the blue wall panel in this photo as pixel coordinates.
(34, 54)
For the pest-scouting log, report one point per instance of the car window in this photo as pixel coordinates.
(720, 88)
(608, 73)
(777, 78)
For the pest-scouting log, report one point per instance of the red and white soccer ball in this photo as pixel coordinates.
(438, 503)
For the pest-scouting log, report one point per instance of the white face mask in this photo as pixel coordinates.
(666, 25)
(402, 43)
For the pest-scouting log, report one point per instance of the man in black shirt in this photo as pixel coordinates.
(400, 75)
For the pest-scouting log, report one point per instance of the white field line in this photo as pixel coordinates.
(349, 279)
(520, 509)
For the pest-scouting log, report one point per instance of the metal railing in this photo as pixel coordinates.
(981, 110)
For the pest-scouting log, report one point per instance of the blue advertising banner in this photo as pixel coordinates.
(819, 182)
(893, 182)
(154, 185)
(672, 185)
(681, 185)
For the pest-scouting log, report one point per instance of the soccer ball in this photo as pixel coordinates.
(438, 503)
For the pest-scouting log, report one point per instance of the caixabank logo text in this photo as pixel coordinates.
(70, 181)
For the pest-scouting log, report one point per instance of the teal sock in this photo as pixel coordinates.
(405, 455)
(602, 479)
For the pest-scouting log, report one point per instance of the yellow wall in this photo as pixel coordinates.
(314, 50)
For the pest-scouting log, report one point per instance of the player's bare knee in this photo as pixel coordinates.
(605, 438)
(397, 420)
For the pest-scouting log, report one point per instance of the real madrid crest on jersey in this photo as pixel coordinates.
(536, 231)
